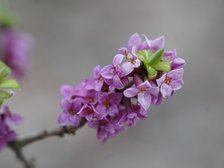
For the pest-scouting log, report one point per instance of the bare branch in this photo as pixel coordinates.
(18, 145)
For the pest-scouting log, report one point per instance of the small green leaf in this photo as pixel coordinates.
(156, 57)
(163, 66)
(152, 73)
(9, 84)
(4, 95)
(6, 18)
(4, 70)
(144, 55)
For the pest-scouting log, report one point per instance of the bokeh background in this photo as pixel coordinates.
(72, 36)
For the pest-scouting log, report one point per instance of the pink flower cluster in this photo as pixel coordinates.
(15, 50)
(120, 94)
(7, 119)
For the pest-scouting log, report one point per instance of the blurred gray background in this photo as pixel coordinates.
(72, 36)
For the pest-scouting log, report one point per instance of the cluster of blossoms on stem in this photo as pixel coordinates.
(7, 120)
(15, 47)
(118, 95)
(15, 50)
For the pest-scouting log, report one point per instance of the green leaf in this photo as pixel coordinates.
(144, 55)
(4, 71)
(9, 84)
(156, 57)
(6, 18)
(4, 95)
(164, 66)
(152, 73)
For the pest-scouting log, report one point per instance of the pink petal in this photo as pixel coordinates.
(108, 72)
(166, 90)
(117, 82)
(127, 68)
(158, 43)
(63, 119)
(176, 85)
(144, 100)
(123, 50)
(96, 72)
(118, 59)
(176, 74)
(149, 42)
(113, 110)
(66, 90)
(131, 92)
(134, 40)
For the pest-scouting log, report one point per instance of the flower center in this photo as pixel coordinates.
(132, 60)
(91, 99)
(89, 110)
(107, 104)
(142, 89)
(167, 80)
(100, 79)
(72, 112)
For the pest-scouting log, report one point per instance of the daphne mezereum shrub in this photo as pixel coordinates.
(141, 74)
(118, 95)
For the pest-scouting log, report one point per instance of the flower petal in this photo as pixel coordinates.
(149, 42)
(96, 71)
(112, 110)
(118, 59)
(131, 92)
(161, 80)
(176, 74)
(63, 119)
(117, 82)
(108, 72)
(158, 43)
(176, 85)
(144, 100)
(66, 90)
(134, 40)
(178, 63)
(127, 68)
(171, 54)
(166, 90)
(123, 51)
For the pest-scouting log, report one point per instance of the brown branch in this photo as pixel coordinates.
(18, 145)
(27, 163)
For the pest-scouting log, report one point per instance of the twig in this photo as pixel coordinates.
(18, 145)
(27, 163)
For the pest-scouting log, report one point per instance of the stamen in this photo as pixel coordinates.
(107, 104)
(167, 80)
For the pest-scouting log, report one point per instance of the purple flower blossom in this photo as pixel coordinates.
(145, 92)
(106, 128)
(98, 81)
(109, 104)
(113, 73)
(170, 82)
(6, 135)
(91, 97)
(7, 119)
(131, 114)
(11, 118)
(70, 92)
(70, 109)
(89, 112)
(132, 63)
(16, 48)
